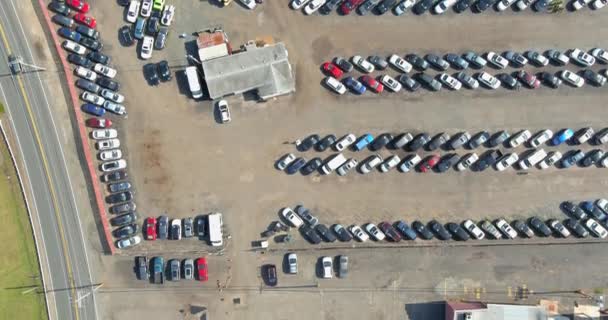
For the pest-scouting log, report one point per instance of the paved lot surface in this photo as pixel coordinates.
(184, 163)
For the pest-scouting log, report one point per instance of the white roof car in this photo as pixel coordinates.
(400, 63)
(390, 163)
(540, 138)
(363, 64)
(443, 6)
(403, 6)
(474, 230)
(582, 57)
(85, 73)
(391, 83)
(488, 80)
(579, 4)
(602, 204)
(73, 47)
(285, 161)
(107, 144)
(374, 231)
(177, 223)
(497, 60)
(604, 162)
(146, 8)
(524, 4)
(222, 108)
(450, 81)
(114, 107)
(133, 11)
(466, 161)
(292, 217)
(600, 54)
(249, 4)
(327, 263)
(370, 163)
(128, 242)
(168, 14)
(506, 229)
(598, 4)
(559, 227)
(111, 95)
(506, 161)
(346, 167)
(113, 165)
(572, 78)
(292, 261)
(92, 98)
(410, 162)
(110, 155)
(504, 4)
(297, 4)
(335, 85)
(358, 233)
(146, 47)
(596, 228)
(313, 6)
(104, 70)
(551, 158)
(519, 138)
(346, 141)
(99, 134)
(584, 135)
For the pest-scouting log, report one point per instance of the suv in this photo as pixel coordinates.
(459, 140)
(487, 159)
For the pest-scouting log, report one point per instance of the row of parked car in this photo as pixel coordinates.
(325, 266)
(151, 20)
(175, 269)
(100, 93)
(174, 229)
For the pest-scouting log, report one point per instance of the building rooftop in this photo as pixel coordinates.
(505, 312)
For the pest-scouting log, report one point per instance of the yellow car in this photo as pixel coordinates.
(158, 5)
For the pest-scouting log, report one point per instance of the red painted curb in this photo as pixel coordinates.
(101, 208)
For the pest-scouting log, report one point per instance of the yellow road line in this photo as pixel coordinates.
(49, 179)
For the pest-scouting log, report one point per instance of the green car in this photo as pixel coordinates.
(158, 5)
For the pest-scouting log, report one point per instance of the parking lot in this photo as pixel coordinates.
(184, 163)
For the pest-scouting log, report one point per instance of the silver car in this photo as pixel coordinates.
(346, 167)
(188, 269)
(188, 227)
(343, 271)
(292, 262)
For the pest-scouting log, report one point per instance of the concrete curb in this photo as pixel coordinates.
(81, 129)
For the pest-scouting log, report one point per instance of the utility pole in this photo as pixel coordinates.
(95, 288)
(17, 65)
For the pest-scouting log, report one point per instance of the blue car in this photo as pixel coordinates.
(405, 229)
(354, 85)
(562, 136)
(140, 26)
(93, 109)
(69, 34)
(593, 210)
(296, 165)
(363, 142)
(573, 159)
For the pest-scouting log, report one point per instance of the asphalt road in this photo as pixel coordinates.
(61, 244)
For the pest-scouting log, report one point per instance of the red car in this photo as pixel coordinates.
(429, 163)
(99, 123)
(530, 80)
(201, 269)
(150, 228)
(376, 86)
(349, 5)
(79, 5)
(86, 20)
(332, 70)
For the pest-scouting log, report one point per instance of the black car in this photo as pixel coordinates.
(176, 231)
(92, 44)
(114, 176)
(419, 142)
(573, 210)
(108, 83)
(126, 38)
(385, 5)
(405, 229)
(550, 79)
(87, 85)
(126, 231)
(479, 139)
(151, 74)
(161, 38)
(119, 197)
(152, 26)
(329, 6)
(164, 71)
(429, 82)
(422, 6)
(87, 32)
(308, 143)
(438, 141)
(342, 233)
(380, 141)
(487, 159)
(439, 230)
(459, 140)
(409, 83)
(99, 57)
(592, 157)
(119, 186)
(295, 166)
(541, 5)
(269, 273)
(417, 62)
(123, 208)
(379, 62)
(509, 81)
(522, 228)
(498, 138)
(343, 64)
(594, 78)
(457, 231)
(325, 143)
(163, 227)
(456, 61)
(437, 62)
(448, 161)
(422, 230)
(310, 234)
(80, 60)
(200, 223)
(141, 268)
(576, 228)
(540, 227)
(124, 3)
(124, 219)
(63, 20)
(325, 233)
(462, 5)
(312, 166)
(60, 8)
(483, 5)
(366, 7)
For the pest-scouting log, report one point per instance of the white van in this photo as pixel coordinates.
(532, 159)
(333, 164)
(215, 224)
(193, 82)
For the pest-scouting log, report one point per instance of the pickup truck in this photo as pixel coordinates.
(158, 276)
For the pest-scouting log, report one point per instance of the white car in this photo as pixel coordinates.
(92, 98)
(285, 161)
(579, 4)
(506, 161)
(146, 47)
(540, 138)
(73, 47)
(374, 231)
(598, 4)
(488, 80)
(559, 227)
(114, 107)
(602, 204)
(572, 78)
(584, 135)
(313, 6)
(249, 4)
(390, 163)
(346, 167)
(552, 158)
(128, 242)
(113, 165)
(504, 4)
(370, 163)
(519, 138)
(524, 4)
(497, 60)
(596, 228)
(410, 162)
(335, 85)
(168, 14)
(292, 262)
(111, 95)
(85, 73)
(391, 83)
(176, 229)
(506, 229)
(467, 161)
(450, 81)
(110, 155)
(402, 7)
(107, 144)
(443, 6)
(104, 70)
(600, 54)
(292, 217)
(298, 4)
(474, 230)
(146, 8)
(224, 111)
(99, 134)
(346, 141)
(133, 11)
(363, 64)
(327, 267)
(582, 57)
(358, 233)
(400, 63)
